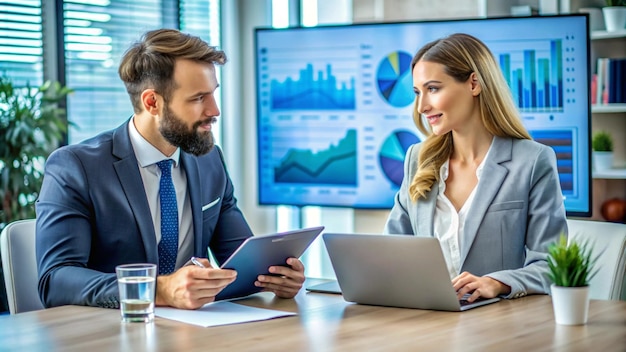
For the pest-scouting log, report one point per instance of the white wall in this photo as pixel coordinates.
(239, 18)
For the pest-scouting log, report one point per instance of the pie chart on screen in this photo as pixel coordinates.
(391, 156)
(394, 79)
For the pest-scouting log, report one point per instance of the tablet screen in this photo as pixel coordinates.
(256, 254)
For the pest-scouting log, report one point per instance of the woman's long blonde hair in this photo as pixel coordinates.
(461, 55)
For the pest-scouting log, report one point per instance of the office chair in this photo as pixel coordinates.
(17, 246)
(609, 246)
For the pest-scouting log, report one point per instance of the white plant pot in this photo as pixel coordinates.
(614, 18)
(570, 304)
(602, 161)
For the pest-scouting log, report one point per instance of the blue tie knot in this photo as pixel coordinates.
(166, 167)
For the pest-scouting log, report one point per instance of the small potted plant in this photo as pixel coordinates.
(570, 269)
(614, 15)
(602, 146)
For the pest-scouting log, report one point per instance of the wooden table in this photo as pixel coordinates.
(325, 323)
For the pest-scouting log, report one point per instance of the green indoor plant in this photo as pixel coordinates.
(602, 142)
(571, 264)
(602, 146)
(32, 125)
(570, 268)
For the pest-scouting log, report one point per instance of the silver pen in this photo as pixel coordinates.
(195, 262)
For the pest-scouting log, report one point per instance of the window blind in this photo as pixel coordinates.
(21, 46)
(96, 35)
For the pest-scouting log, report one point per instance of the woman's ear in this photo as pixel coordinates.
(475, 84)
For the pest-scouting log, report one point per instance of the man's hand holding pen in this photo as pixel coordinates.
(192, 286)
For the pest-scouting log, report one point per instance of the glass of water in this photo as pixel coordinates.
(137, 283)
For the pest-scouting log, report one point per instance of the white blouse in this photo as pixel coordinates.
(449, 225)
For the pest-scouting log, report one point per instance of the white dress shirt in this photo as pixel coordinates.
(147, 157)
(449, 225)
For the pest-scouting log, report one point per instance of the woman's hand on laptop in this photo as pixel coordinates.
(284, 281)
(478, 286)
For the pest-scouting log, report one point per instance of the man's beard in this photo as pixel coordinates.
(191, 141)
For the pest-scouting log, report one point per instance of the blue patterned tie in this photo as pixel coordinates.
(168, 246)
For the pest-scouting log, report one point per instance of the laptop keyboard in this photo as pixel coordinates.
(465, 302)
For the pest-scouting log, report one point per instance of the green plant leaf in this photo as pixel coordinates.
(570, 265)
(615, 2)
(602, 142)
(33, 124)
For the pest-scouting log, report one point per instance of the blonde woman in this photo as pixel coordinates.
(477, 182)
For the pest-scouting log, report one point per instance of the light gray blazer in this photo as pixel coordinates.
(517, 212)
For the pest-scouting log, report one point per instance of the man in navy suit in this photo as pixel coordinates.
(99, 205)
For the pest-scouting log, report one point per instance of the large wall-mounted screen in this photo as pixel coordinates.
(335, 104)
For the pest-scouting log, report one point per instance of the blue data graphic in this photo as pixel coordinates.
(535, 75)
(394, 79)
(336, 165)
(561, 141)
(313, 90)
(392, 153)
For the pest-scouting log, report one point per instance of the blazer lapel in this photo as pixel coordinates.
(426, 213)
(128, 173)
(195, 191)
(486, 191)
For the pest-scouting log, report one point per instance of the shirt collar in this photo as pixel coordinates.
(145, 152)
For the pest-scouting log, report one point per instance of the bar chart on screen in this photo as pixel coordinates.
(535, 72)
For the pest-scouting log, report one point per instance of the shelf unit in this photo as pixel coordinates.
(608, 184)
(608, 108)
(612, 174)
(598, 35)
(601, 36)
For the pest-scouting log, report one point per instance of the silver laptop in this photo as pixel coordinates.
(393, 270)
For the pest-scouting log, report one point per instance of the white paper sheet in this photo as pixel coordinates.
(219, 313)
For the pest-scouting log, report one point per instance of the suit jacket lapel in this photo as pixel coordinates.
(195, 191)
(128, 173)
(486, 191)
(426, 213)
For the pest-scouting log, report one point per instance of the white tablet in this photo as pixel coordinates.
(256, 254)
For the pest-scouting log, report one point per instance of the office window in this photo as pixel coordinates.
(96, 35)
(21, 45)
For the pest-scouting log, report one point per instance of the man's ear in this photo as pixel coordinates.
(149, 99)
(475, 84)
